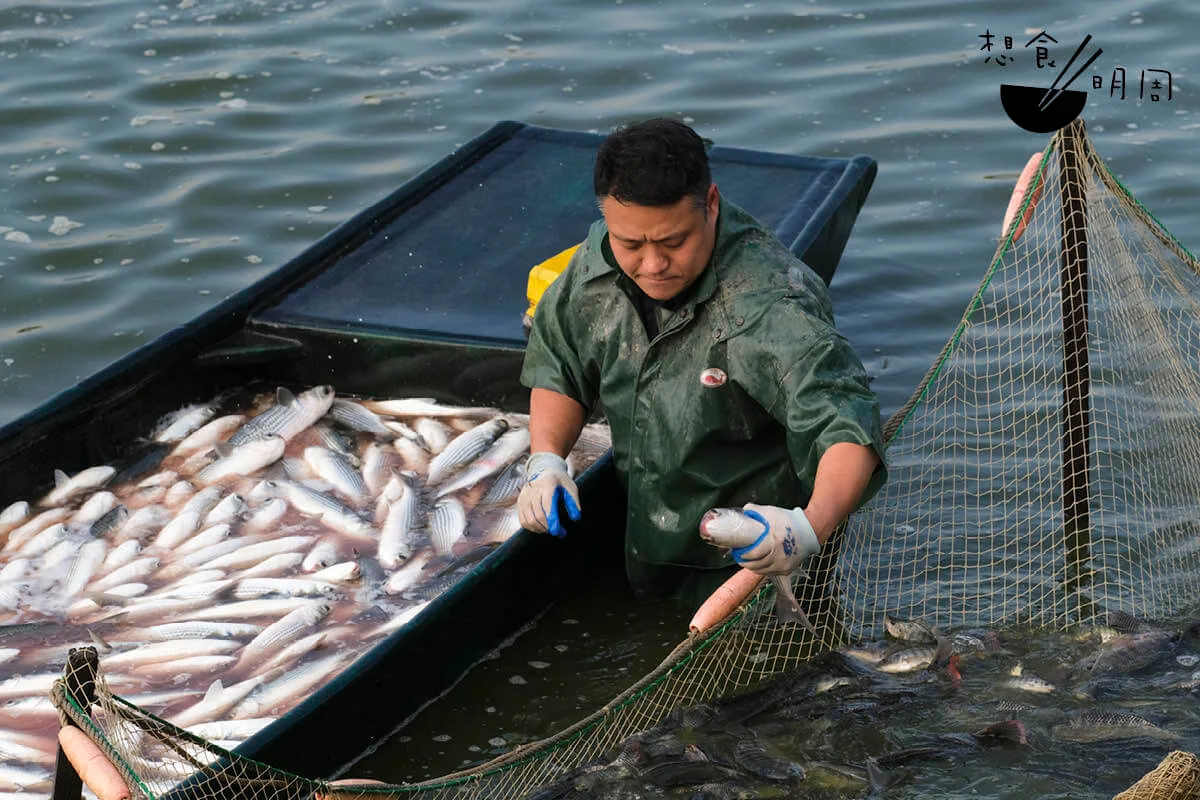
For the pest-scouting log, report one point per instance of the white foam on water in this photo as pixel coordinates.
(61, 225)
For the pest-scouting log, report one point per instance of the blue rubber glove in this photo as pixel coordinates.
(547, 484)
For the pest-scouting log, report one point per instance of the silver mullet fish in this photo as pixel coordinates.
(730, 528)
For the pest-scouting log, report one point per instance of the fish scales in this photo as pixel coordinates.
(290, 415)
(435, 433)
(328, 509)
(274, 566)
(179, 424)
(132, 571)
(170, 650)
(227, 510)
(191, 665)
(287, 689)
(268, 515)
(425, 407)
(323, 554)
(248, 609)
(910, 630)
(212, 432)
(1091, 726)
(286, 587)
(357, 417)
(235, 729)
(33, 526)
(245, 459)
(508, 447)
(464, 448)
(109, 521)
(196, 629)
(85, 564)
(94, 508)
(337, 470)
(68, 487)
(292, 653)
(378, 462)
(506, 487)
(254, 552)
(447, 525)
(205, 538)
(395, 539)
(143, 523)
(342, 572)
(44, 540)
(289, 627)
(336, 439)
(177, 531)
(216, 701)
(13, 515)
(202, 501)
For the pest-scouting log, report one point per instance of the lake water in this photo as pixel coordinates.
(162, 156)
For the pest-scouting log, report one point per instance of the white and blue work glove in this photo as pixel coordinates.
(786, 543)
(547, 485)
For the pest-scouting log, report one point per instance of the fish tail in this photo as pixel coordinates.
(1008, 732)
(787, 608)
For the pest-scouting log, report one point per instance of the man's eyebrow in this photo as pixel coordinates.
(669, 237)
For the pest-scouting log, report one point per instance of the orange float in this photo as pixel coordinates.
(727, 597)
(92, 766)
(1018, 198)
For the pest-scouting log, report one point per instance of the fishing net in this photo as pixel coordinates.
(1046, 471)
(1177, 777)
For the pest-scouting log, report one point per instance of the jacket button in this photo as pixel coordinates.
(739, 321)
(717, 333)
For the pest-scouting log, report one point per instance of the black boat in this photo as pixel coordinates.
(419, 295)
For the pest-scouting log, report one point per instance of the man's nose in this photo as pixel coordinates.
(654, 260)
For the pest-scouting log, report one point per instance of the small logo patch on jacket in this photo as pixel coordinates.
(712, 377)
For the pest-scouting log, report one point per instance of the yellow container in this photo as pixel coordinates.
(542, 275)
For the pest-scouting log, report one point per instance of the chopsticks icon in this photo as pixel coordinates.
(1054, 91)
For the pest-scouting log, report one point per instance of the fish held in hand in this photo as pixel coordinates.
(731, 529)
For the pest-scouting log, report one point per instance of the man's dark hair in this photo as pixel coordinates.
(656, 162)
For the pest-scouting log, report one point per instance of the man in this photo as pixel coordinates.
(724, 381)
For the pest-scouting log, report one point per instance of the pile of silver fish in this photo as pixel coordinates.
(246, 558)
(927, 713)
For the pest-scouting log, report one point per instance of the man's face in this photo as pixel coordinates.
(663, 249)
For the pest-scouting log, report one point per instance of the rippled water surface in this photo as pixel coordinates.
(191, 147)
(162, 156)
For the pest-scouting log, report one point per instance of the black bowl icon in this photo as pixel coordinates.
(1035, 110)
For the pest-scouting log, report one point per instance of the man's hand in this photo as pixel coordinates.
(546, 484)
(785, 545)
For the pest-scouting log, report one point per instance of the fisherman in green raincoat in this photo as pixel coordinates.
(712, 353)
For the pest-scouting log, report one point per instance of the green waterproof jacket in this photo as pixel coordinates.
(779, 386)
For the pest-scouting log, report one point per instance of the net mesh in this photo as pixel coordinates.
(1046, 471)
(1177, 777)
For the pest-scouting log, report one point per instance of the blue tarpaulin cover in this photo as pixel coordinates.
(451, 253)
